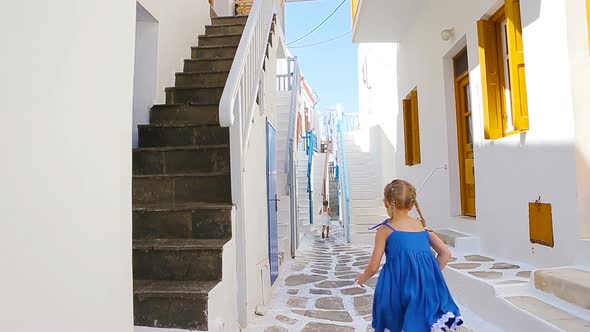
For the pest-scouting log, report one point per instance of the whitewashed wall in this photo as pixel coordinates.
(166, 30)
(223, 7)
(378, 111)
(146, 65)
(180, 22)
(512, 171)
(579, 58)
(66, 86)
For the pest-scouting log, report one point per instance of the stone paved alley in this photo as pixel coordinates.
(316, 291)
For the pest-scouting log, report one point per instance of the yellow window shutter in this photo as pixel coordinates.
(408, 130)
(517, 75)
(588, 19)
(490, 79)
(416, 159)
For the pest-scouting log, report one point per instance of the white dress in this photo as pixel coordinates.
(325, 219)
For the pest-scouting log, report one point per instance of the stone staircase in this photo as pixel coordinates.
(182, 189)
(514, 296)
(366, 197)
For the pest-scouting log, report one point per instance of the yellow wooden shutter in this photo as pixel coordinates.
(408, 130)
(416, 159)
(490, 79)
(588, 19)
(517, 75)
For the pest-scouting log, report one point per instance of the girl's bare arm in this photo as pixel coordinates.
(378, 252)
(444, 254)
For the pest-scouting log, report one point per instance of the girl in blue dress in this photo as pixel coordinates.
(411, 293)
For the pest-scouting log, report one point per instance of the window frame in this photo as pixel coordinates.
(495, 77)
(411, 122)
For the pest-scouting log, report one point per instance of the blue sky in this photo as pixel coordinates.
(330, 68)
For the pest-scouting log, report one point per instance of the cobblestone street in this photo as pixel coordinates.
(316, 291)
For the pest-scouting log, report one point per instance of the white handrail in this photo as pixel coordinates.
(293, 106)
(239, 94)
(236, 111)
(430, 176)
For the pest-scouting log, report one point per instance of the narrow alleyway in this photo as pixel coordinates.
(316, 291)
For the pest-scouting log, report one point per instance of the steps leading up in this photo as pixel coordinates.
(554, 316)
(175, 304)
(502, 292)
(182, 203)
(196, 114)
(569, 284)
(460, 241)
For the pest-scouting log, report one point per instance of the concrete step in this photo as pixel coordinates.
(181, 189)
(569, 284)
(229, 20)
(362, 238)
(367, 203)
(220, 40)
(190, 95)
(213, 52)
(185, 221)
(185, 302)
(181, 160)
(368, 219)
(366, 211)
(364, 187)
(177, 259)
(207, 65)
(509, 303)
(224, 29)
(364, 195)
(201, 80)
(203, 114)
(460, 241)
(557, 318)
(179, 135)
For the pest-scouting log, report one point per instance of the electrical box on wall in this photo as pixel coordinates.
(541, 223)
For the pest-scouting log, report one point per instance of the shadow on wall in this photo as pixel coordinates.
(145, 68)
(384, 155)
(507, 179)
(531, 11)
(583, 194)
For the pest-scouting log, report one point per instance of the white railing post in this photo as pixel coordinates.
(236, 110)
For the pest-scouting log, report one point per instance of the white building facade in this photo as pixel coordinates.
(78, 78)
(484, 121)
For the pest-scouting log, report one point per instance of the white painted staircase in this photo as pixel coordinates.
(302, 195)
(366, 201)
(514, 296)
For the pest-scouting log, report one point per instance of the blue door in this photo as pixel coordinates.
(271, 189)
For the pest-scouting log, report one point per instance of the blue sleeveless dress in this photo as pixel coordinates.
(411, 293)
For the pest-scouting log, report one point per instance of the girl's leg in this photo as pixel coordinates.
(328, 231)
(323, 230)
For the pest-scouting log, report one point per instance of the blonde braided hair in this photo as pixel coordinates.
(402, 194)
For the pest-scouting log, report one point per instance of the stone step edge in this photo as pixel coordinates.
(221, 35)
(187, 73)
(159, 288)
(182, 148)
(179, 244)
(481, 297)
(557, 313)
(182, 175)
(176, 88)
(181, 207)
